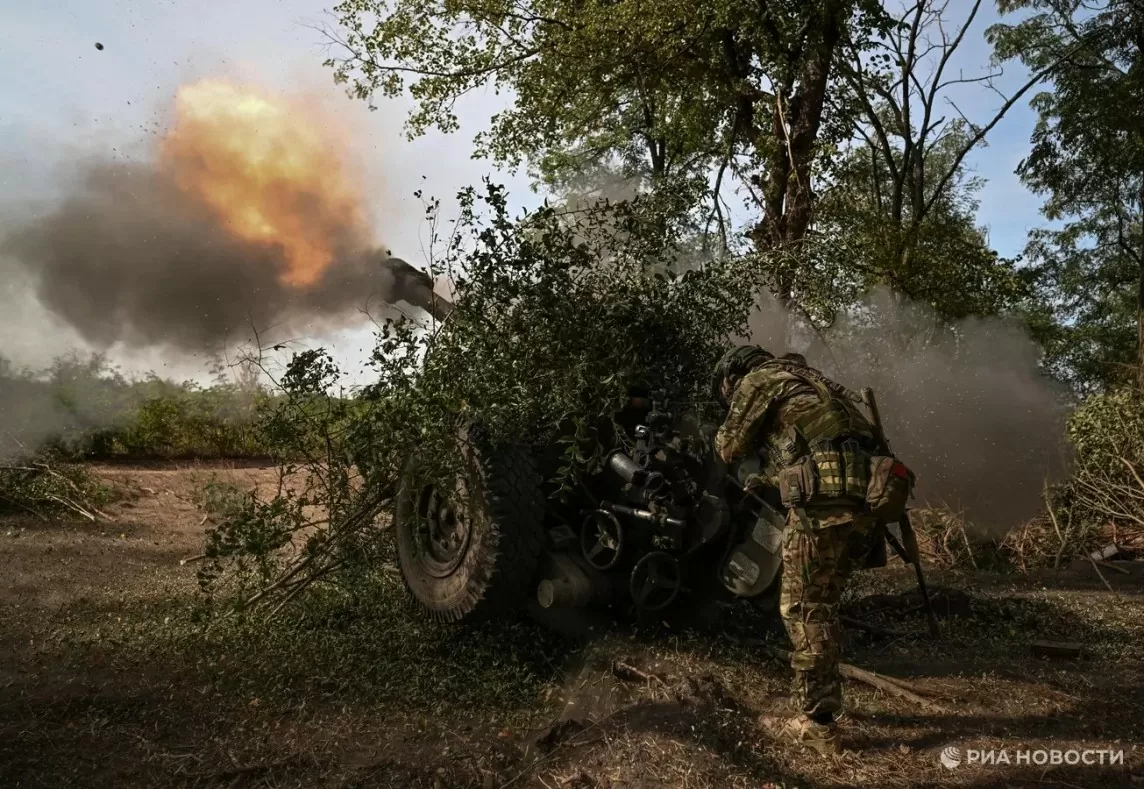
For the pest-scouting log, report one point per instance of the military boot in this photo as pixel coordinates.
(802, 730)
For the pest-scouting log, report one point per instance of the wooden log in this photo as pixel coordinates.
(1061, 649)
(895, 687)
(869, 627)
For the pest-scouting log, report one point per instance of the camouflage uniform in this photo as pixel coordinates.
(816, 565)
(771, 410)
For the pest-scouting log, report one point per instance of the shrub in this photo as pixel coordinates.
(45, 487)
(556, 317)
(80, 407)
(1107, 436)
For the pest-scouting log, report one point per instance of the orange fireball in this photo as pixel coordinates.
(265, 169)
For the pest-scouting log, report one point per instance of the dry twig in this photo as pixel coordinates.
(1101, 576)
(895, 687)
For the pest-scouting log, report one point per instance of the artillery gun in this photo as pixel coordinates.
(654, 526)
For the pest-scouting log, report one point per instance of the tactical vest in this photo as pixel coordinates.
(837, 415)
(835, 433)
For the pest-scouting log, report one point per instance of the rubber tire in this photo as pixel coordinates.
(506, 542)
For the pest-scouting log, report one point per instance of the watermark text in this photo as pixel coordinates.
(952, 758)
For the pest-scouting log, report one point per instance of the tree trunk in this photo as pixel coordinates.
(1140, 330)
(1136, 73)
(796, 121)
(806, 119)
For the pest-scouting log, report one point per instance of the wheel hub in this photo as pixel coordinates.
(443, 532)
(602, 539)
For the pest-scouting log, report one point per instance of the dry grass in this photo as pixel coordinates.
(113, 675)
(1050, 540)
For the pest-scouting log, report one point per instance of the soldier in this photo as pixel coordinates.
(801, 434)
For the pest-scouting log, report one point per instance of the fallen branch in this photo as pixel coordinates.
(71, 506)
(1104, 580)
(1114, 566)
(895, 687)
(1132, 469)
(629, 673)
(1056, 526)
(869, 627)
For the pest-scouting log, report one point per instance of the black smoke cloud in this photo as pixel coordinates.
(129, 257)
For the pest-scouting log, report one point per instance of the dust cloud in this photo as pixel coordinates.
(964, 405)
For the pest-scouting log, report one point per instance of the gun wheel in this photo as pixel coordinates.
(656, 581)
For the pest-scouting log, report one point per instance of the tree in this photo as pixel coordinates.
(1087, 158)
(937, 256)
(666, 92)
(903, 197)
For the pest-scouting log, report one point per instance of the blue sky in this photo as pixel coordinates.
(60, 96)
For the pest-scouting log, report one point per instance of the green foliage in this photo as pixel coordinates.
(661, 95)
(1087, 158)
(940, 258)
(696, 100)
(44, 486)
(81, 407)
(556, 317)
(1107, 435)
(897, 204)
(1086, 303)
(653, 84)
(319, 519)
(1108, 426)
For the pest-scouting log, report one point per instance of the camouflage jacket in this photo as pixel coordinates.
(779, 409)
(767, 401)
(766, 406)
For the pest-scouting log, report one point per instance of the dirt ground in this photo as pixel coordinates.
(113, 672)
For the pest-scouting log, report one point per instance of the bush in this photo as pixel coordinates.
(556, 317)
(45, 487)
(80, 407)
(1107, 436)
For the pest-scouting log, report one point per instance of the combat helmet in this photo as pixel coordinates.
(734, 364)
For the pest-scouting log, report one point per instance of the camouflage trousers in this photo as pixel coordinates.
(816, 565)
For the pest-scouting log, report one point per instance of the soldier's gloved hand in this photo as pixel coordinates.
(754, 483)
